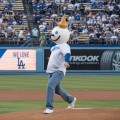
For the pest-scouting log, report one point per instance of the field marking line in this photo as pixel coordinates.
(81, 108)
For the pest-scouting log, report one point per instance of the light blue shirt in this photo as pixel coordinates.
(35, 32)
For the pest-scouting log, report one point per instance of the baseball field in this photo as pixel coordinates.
(22, 97)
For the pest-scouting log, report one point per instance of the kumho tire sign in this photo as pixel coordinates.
(91, 59)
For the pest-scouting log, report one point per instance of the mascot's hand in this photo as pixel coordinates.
(66, 64)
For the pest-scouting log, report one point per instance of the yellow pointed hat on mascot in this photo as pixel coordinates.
(62, 23)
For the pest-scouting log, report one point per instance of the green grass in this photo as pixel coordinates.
(6, 107)
(12, 82)
(21, 82)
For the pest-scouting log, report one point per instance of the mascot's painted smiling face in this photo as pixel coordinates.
(61, 34)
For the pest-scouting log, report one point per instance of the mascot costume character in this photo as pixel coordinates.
(57, 64)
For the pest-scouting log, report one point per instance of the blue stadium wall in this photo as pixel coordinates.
(83, 60)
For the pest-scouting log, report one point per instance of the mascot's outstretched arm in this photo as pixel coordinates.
(67, 59)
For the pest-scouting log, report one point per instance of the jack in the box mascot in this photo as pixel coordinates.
(57, 64)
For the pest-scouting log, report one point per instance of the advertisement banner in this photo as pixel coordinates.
(85, 59)
(91, 59)
(17, 59)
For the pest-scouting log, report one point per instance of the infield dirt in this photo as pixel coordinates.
(11, 95)
(64, 114)
(61, 113)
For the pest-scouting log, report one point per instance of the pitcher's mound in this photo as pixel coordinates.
(65, 114)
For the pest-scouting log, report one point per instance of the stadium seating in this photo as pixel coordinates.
(90, 9)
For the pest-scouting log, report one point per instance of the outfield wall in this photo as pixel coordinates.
(83, 59)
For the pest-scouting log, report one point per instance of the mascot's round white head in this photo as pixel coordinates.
(61, 34)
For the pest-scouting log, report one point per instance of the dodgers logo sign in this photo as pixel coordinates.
(18, 59)
(20, 65)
